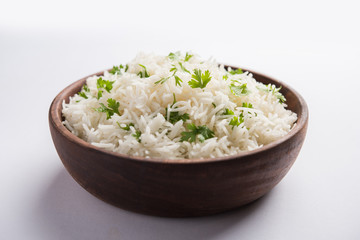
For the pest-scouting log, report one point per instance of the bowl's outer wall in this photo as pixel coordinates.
(177, 190)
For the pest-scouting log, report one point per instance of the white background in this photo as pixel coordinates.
(311, 45)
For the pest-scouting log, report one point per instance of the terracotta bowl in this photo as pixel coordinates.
(178, 189)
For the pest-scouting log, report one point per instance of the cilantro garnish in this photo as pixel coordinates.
(276, 91)
(84, 91)
(202, 133)
(103, 84)
(239, 90)
(106, 84)
(111, 109)
(237, 71)
(178, 81)
(236, 121)
(99, 95)
(82, 94)
(199, 80)
(117, 69)
(174, 56)
(183, 68)
(225, 77)
(127, 126)
(175, 116)
(187, 57)
(247, 105)
(137, 135)
(162, 80)
(228, 112)
(144, 73)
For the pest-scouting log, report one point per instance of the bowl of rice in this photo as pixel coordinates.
(177, 135)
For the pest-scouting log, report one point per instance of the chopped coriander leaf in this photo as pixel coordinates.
(239, 90)
(105, 84)
(276, 91)
(187, 57)
(175, 116)
(247, 105)
(281, 97)
(113, 105)
(225, 77)
(84, 91)
(144, 73)
(162, 80)
(82, 94)
(126, 127)
(237, 71)
(86, 88)
(228, 112)
(201, 132)
(111, 109)
(174, 101)
(117, 69)
(126, 68)
(174, 56)
(173, 69)
(236, 121)
(178, 81)
(137, 135)
(183, 68)
(199, 80)
(99, 95)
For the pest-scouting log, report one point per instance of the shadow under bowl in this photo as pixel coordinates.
(178, 188)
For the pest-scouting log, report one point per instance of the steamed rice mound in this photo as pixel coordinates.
(239, 113)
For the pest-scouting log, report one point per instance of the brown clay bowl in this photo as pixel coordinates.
(178, 189)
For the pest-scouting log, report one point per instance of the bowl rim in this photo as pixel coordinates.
(56, 120)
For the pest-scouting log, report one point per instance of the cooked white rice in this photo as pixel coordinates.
(143, 102)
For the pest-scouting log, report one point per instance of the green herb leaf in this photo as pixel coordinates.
(237, 71)
(86, 88)
(173, 69)
(82, 94)
(247, 105)
(201, 132)
(183, 68)
(144, 73)
(236, 121)
(187, 57)
(228, 112)
(99, 95)
(239, 90)
(137, 135)
(127, 126)
(214, 105)
(117, 69)
(276, 91)
(111, 109)
(84, 91)
(175, 116)
(174, 56)
(199, 80)
(178, 81)
(225, 77)
(162, 80)
(104, 84)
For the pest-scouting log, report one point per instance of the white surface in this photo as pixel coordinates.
(311, 45)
